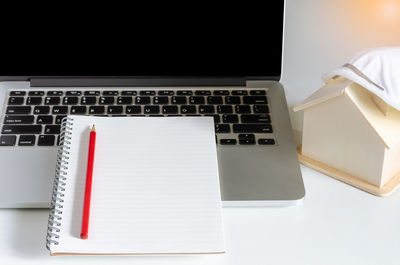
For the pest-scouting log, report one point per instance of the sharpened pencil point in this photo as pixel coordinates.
(93, 128)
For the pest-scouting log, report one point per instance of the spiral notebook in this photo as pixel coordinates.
(155, 187)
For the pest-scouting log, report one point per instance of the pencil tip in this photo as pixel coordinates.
(93, 128)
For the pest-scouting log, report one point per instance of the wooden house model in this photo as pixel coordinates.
(352, 135)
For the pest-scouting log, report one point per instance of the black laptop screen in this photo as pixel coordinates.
(234, 45)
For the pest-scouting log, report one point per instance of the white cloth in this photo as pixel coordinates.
(377, 70)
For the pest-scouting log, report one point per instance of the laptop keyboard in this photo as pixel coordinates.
(33, 118)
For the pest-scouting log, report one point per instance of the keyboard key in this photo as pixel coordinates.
(36, 93)
(202, 92)
(7, 140)
(34, 100)
(106, 100)
(221, 92)
(27, 140)
(133, 109)
(124, 100)
(227, 141)
(160, 100)
(60, 110)
(178, 100)
(52, 129)
(46, 140)
(92, 93)
(239, 92)
(185, 109)
(246, 136)
(18, 119)
(222, 128)
(114, 110)
(142, 100)
(260, 109)
(173, 115)
(196, 100)
(15, 100)
(18, 110)
(266, 141)
(73, 93)
(21, 129)
(70, 100)
(52, 100)
(258, 92)
(54, 93)
(96, 110)
(59, 118)
(44, 119)
(247, 139)
(166, 93)
(170, 109)
(88, 100)
(41, 110)
(110, 93)
(254, 100)
(151, 109)
(232, 100)
(184, 93)
(252, 128)
(214, 100)
(206, 109)
(158, 115)
(260, 118)
(224, 109)
(129, 93)
(147, 93)
(230, 118)
(78, 110)
(216, 118)
(242, 109)
(17, 93)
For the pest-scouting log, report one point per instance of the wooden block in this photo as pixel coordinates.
(390, 186)
(382, 105)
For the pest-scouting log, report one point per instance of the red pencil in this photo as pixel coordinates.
(88, 188)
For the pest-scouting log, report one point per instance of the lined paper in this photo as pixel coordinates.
(155, 187)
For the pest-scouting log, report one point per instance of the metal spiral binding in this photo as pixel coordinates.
(56, 206)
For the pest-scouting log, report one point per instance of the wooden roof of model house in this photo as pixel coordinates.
(381, 117)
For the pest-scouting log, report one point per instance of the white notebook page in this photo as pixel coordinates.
(155, 187)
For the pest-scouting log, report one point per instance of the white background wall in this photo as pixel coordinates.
(322, 34)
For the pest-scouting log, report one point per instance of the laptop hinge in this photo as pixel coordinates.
(136, 81)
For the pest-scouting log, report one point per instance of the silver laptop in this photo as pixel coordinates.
(237, 85)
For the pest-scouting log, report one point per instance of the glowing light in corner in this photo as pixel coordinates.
(390, 10)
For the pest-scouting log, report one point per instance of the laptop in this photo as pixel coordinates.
(200, 73)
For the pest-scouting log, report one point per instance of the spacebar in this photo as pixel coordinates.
(21, 129)
(252, 128)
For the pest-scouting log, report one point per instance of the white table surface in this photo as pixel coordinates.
(336, 224)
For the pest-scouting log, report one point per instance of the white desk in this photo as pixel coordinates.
(336, 224)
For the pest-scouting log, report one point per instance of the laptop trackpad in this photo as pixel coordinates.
(28, 177)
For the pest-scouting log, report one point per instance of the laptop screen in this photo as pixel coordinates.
(233, 46)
